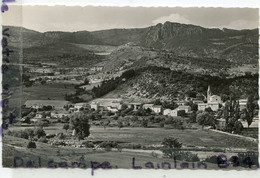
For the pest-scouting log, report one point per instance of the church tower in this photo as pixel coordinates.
(208, 94)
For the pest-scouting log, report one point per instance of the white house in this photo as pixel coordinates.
(148, 106)
(185, 108)
(112, 109)
(95, 106)
(180, 103)
(214, 106)
(38, 116)
(78, 106)
(202, 106)
(174, 112)
(157, 109)
(167, 112)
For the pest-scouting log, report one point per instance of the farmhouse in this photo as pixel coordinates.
(55, 104)
(104, 103)
(78, 106)
(173, 113)
(167, 112)
(180, 103)
(56, 114)
(185, 108)
(94, 105)
(157, 109)
(148, 106)
(136, 105)
(112, 109)
(202, 106)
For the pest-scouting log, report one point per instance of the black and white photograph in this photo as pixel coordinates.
(109, 87)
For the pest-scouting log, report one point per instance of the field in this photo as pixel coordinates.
(47, 153)
(193, 139)
(153, 136)
(55, 91)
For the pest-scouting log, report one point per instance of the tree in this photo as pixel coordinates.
(145, 123)
(246, 117)
(192, 117)
(66, 127)
(27, 120)
(250, 109)
(119, 124)
(124, 106)
(205, 118)
(105, 124)
(157, 102)
(171, 145)
(79, 123)
(31, 144)
(30, 133)
(39, 132)
(194, 107)
(208, 109)
(86, 81)
(238, 127)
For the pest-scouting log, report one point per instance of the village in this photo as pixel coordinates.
(104, 108)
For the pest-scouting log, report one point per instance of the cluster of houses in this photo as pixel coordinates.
(61, 108)
(113, 105)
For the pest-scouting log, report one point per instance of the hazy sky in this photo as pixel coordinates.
(76, 18)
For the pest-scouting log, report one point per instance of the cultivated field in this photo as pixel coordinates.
(55, 91)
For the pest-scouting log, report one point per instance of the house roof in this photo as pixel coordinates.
(148, 104)
(202, 104)
(214, 96)
(180, 101)
(80, 104)
(184, 106)
(56, 103)
(213, 103)
(157, 106)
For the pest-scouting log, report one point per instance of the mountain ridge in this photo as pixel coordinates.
(173, 39)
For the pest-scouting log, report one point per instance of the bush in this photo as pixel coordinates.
(42, 123)
(246, 159)
(24, 135)
(162, 124)
(66, 127)
(211, 159)
(108, 144)
(43, 140)
(61, 136)
(214, 159)
(31, 145)
(50, 135)
(171, 145)
(88, 144)
(136, 146)
(39, 132)
(186, 156)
